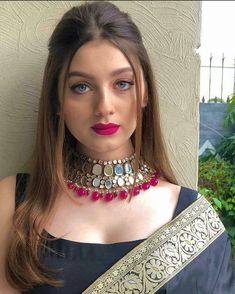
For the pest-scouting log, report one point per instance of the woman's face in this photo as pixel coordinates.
(100, 91)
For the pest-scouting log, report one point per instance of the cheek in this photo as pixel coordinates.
(72, 119)
(130, 116)
(72, 111)
(132, 113)
(69, 116)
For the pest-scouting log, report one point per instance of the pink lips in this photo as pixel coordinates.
(105, 129)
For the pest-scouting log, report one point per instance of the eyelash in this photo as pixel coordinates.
(131, 83)
(73, 87)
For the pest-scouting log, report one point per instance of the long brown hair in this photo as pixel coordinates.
(92, 20)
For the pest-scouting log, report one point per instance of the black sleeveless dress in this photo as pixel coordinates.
(82, 263)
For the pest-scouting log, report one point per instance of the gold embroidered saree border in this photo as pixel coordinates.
(148, 266)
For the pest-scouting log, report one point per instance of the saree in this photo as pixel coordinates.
(168, 251)
(190, 254)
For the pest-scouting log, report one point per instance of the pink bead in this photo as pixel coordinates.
(153, 181)
(145, 185)
(81, 191)
(108, 196)
(123, 194)
(95, 196)
(135, 191)
(70, 185)
(157, 174)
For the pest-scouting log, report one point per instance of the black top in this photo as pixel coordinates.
(82, 263)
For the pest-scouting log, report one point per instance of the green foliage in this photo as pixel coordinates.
(217, 176)
(230, 118)
(217, 184)
(226, 147)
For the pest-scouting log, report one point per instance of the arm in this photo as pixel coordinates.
(7, 208)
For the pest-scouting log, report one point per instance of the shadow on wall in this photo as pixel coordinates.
(19, 108)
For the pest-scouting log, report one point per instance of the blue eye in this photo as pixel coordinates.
(80, 88)
(124, 85)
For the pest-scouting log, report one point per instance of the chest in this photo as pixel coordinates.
(112, 222)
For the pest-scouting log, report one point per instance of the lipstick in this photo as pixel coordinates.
(105, 129)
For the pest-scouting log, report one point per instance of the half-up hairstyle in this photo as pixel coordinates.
(54, 143)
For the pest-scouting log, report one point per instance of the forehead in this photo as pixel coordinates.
(98, 56)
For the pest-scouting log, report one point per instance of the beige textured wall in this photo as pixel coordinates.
(171, 31)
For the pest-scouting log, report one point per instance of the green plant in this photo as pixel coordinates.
(217, 176)
(226, 147)
(217, 183)
(230, 118)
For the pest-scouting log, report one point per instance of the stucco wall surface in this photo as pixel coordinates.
(171, 32)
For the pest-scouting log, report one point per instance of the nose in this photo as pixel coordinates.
(104, 103)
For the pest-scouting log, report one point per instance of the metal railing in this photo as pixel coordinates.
(215, 100)
(222, 67)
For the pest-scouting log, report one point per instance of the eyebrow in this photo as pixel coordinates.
(89, 76)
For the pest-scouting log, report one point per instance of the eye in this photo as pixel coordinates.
(80, 88)
(124, 85)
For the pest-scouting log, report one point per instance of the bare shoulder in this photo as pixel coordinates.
(7, 195)
(166, 200)
(7, 205)
(168, 196)
(171, 189)
(7, 209)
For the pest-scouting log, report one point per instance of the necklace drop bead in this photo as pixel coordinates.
(70, 185)
(153, 181)
(145, 185)
(157, 174)
(95, 196)
(108, 196)
(123, 194)
(81, 191)
(136, 191)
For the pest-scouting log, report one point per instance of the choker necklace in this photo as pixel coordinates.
(109, 179)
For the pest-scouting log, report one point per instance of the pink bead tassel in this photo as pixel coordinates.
(95, 196)
(109, 196)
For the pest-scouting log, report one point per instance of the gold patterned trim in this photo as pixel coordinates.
(148, 266)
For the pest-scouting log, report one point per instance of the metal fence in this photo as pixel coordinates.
(222, 67)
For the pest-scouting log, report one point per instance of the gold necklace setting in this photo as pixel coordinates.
(107, 180)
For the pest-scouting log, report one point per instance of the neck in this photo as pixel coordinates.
(107, 155)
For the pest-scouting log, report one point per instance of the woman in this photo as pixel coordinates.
(101, 211)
